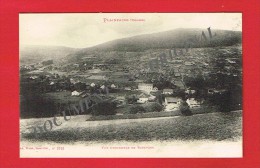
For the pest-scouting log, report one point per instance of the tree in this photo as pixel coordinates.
(154, 107)
(223, 101)
(131, 99)
(136, 109)
(104, 108)
(185, 109)
(80, 86)
(179, 93)
(197, 82)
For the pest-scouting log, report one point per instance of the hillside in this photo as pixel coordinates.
(169, 39)
(162, 40)
(31, 54)
(210, 126)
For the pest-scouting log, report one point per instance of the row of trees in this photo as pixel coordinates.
(152, 107)
(109, 108)
(230, 96)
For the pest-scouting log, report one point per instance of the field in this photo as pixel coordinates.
(211, 126)
(62, 97)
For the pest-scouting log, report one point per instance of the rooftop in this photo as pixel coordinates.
(167, 90)
(172, 99)
(145, 84)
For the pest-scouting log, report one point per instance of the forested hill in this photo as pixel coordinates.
(163, 40)
(169, 39)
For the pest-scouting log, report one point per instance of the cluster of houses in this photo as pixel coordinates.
(141, 73)
(170, 102)
(148, 93)
(198, 61)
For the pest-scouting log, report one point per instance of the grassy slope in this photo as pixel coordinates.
(212, 126)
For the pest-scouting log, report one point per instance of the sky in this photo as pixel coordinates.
(80, 30)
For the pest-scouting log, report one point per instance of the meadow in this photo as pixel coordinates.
(210, 126)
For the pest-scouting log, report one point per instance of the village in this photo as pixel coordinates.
(165, 77)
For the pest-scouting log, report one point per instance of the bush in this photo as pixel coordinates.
(104, 108)
(136, 109)
(222, 101)
(154, 107)
(185, 109)
(131, 99)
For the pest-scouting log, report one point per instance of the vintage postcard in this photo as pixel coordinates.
(130, 85)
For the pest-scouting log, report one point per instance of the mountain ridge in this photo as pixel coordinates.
(161, 40)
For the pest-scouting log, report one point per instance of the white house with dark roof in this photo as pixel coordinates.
(172, 103)
(172, 100)
(143, 98)
(167, 91)
(193, 103)
(147, 87)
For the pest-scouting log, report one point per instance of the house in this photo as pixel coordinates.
(167, 91)
(177, 74)
(145, 87)
(192, 102)
(205, 64)
(72, 81)
(76, 65)
(171, 103)
(172, 100)
(230, 61)
(155, 89)
(121, 98)
(143, 98)
(152, 98)
(120, 101)
(188, 63)
(97, 77)
(52, 83)
(33, 77)
(139, 80)
(75, 93)
(190, 91)
(128, 88)
(113, 86)
(214, 91)
(92, 84)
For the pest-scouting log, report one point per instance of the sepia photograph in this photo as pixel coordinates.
(130, 85)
